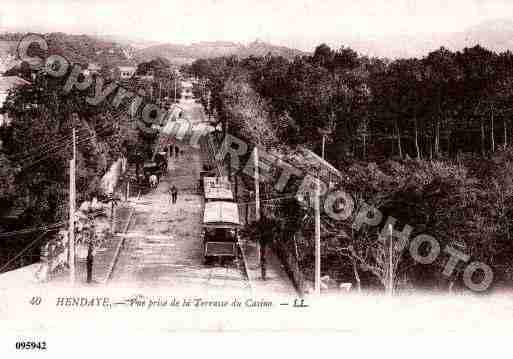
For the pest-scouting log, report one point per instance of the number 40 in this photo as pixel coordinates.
(35, 301)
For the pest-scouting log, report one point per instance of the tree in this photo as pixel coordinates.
(92, 230)
(247, 114)
(7, 178)
(480, 77)
(441, 71)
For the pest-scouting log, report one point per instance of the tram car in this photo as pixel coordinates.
(220, 220)
(217, 189)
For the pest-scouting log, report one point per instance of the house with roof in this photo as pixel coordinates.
(92, 69)
(7, 58)
(7, 62)
(124, 72)
(186, 90)
(309, 163)
(8, 83)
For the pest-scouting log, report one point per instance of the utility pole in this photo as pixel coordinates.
(72, 199)
(160, 92)
(317, 211)
(112, 214)
(323, 144)
(257, 187)
(365, 146)
(208, 104)
(257, 199)
(391, 263)
(176, 79)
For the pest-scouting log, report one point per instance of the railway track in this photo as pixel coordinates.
(163, 244)
(162, 247)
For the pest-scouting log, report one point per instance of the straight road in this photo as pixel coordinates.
(163, 246)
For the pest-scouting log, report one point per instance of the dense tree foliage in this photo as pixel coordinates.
(449, 111)
(439, 106)
(37, 146)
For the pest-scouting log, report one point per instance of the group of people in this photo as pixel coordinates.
(174, 151)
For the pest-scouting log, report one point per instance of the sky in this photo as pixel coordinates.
(301, 24)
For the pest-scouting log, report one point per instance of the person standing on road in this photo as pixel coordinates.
(174, 193)
(266, 229)
(170, 191)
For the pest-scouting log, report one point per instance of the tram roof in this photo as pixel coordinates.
(221, 213)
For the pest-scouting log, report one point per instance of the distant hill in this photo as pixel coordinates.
(135, 43)
(181, 54)
(86, 49)
(116, 50)
(109, 51)
(81, 49)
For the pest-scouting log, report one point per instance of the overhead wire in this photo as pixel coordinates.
(23, 251)
(48, 153)
(44, 151)
(32, 229)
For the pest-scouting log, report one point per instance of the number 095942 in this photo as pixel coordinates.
(31, 345)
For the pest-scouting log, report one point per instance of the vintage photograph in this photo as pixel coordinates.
(254, 166)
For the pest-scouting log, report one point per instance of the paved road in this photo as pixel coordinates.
(163, 246)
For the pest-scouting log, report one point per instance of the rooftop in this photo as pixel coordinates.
(94, 67)
(10, 82)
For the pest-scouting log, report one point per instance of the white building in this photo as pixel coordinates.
(92, 68)
(7, 62)
(125, 72)
(186, 90)
(8, 83)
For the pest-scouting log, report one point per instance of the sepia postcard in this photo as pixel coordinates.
(254, 167)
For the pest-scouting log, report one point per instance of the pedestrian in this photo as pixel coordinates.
(266, 231)
(171, 194)
(174, 193)
(153, 181)
(43, 272)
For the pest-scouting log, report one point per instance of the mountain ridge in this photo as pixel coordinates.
(208, 49)
(495, 35)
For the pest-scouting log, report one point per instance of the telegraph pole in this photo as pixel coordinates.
(257, 187)
(112, 214)
(175, 86)
(317, 210)
(208, 104)
(257, 199)
(391, 263)
(317, 214)
(72, 200)
(323, 144)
